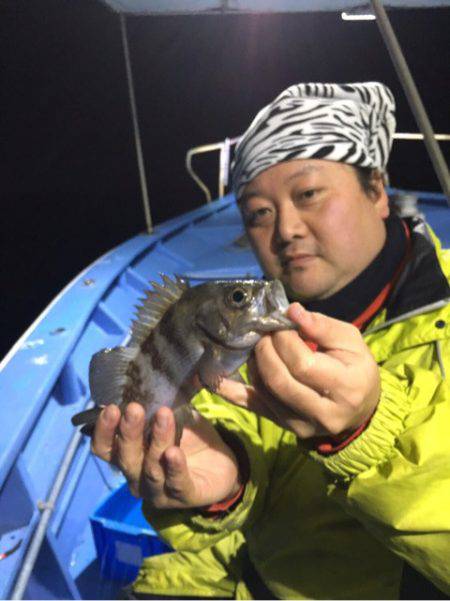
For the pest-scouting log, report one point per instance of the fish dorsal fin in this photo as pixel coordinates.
(154, 305)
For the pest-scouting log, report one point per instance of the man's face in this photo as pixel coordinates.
(312, 226)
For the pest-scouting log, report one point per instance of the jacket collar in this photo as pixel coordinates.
(418, 309)
(422, 282)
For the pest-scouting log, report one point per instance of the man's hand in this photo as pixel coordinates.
(328, 392)
(203, 470)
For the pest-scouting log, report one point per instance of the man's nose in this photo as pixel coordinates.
(290, 224)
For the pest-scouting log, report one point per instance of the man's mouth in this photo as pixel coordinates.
(297, 260)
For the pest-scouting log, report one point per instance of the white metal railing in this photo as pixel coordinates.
(224, 164)
(224, 149)
(438, 137)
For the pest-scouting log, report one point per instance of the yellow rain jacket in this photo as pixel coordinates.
(340, 526)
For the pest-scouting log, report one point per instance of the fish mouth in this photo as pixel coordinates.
(274, 304)
(274, 322)
(277, 296)
(277, 305)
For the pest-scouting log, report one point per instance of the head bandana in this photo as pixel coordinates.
(351, 123)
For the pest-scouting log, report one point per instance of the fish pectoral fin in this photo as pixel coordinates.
(184, 416)
(218, 363)
(210, 368)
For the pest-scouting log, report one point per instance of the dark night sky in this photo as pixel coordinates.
(69, 182)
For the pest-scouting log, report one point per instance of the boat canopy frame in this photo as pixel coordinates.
(214, 7)
(172, 7)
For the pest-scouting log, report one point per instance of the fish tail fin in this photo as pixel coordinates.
(107, 378)
(108, 374)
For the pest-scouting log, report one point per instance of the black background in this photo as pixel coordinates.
(69, 182)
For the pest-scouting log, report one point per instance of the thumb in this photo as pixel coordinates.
(323, 331)
(178, 483)
(295, 313)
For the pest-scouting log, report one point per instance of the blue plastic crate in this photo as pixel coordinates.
(123, 537)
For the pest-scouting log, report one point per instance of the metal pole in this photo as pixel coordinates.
(413, 96)
(137, 135)
(48, 508)
(224, 166)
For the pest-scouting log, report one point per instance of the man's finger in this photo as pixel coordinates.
(316, 369)
(327, 332)
(233, 391)
(102, 443)
(265, 405)
(130, 443)
(162, 437)
(306, 402)
(245, 396)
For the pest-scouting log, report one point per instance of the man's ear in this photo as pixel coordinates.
(379, 196)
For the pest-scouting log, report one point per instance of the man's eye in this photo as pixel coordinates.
(306, 194)
(260, 216)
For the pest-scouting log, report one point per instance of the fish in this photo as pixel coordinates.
(183, 339)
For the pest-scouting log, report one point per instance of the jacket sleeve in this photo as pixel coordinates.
(212, 572)
(395, 477)
(193, 530)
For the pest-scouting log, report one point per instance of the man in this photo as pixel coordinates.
(335, 470)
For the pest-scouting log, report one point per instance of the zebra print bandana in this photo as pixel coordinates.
(351, 123)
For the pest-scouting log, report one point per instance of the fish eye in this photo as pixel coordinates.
(238, 297)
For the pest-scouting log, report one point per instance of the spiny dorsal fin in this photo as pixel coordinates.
(154, 305)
